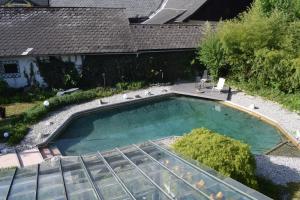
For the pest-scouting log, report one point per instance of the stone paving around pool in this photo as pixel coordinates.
(289, 121)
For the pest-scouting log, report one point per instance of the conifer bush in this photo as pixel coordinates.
(227, 156)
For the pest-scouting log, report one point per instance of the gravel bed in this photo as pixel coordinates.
(289, 121)
(281, 170)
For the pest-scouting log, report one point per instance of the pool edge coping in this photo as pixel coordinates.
(266, 119)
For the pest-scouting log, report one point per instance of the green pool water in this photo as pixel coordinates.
(149, 120)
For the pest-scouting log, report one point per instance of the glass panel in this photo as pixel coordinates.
(139, 186)
(172, 185)
(76, 181)
(24, 184)
(5, 180)
(103, 179)
(50, 181)
(200, 180)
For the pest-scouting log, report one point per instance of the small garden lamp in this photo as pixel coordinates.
(6, 134)
(46, 103)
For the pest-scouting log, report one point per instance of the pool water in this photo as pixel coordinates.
(167, 116)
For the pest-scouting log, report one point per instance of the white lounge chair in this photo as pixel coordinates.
(220, 85)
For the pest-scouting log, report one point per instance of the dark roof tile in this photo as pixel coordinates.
(167, 36)
(63, 31)
(134, 8)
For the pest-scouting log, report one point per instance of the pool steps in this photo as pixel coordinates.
(49, 152)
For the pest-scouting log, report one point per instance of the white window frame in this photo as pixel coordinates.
(9, 75)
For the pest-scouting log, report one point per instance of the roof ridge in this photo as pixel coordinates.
(50, 8)
(179, 24)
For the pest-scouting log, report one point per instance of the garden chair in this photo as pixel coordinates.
(200, 81)
(220, 85)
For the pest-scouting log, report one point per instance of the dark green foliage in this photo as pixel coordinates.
(58, 74)
(3, 87)
(270, 189)
(291, 7)
(278, 192)
(18, 126)
(19, 95)
(260, 50)
(227, 156)
(149, 67)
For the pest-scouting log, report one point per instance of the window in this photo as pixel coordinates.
(9, 69)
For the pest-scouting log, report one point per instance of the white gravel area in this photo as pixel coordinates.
(279, 169)
(289, 121)
(42, 130)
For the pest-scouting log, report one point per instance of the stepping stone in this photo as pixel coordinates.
(55, 151)
(30, 157)
(46, 153)
(9, 160)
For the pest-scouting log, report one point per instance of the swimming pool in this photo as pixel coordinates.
(158, 118)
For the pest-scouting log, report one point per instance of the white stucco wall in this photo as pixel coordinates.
(24, 66)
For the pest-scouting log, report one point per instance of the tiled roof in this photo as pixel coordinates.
(57, 31)
(34, 2)
(134, 8)
(158, 37)
(61, 31)
(190, 6)
(165, 16)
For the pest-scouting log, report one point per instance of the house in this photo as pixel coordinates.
(24, 3)
(166, 11)
(152, 11)
(77, 34)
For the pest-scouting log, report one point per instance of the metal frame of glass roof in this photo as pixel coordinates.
(145, 171)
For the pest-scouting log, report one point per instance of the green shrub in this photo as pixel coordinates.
(3, 87)
(227, 156)
(259, 50)
(130, 86)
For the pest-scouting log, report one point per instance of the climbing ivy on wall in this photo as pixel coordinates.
(58, 74)
(149, 67)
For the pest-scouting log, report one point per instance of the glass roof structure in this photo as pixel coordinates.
(142, 172)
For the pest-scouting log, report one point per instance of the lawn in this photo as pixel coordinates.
(15, 109)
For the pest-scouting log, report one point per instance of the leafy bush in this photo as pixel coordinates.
(21, 95)
(259, 50)
(292, 7)
(3, 87)
(227, 156)
(130, 86)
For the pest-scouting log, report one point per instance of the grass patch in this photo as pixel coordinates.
(19, 124)
(15, 109)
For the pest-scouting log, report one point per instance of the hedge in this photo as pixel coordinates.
(259, 50)
(227, 156)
